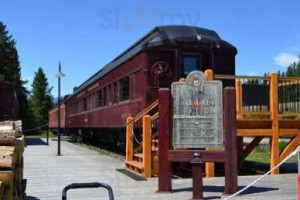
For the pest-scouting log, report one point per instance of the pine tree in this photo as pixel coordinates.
(10, 68)
(293, 69)
(41, 99)
(298, 67)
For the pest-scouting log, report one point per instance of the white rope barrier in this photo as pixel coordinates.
(261, 177)
(37, 128)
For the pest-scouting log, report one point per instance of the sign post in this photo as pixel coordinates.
(200, 117)
(298, 177)
(197, 170)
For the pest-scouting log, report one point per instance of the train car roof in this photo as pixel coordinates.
(161, 35)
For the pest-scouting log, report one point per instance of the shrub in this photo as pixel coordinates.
(75, 139)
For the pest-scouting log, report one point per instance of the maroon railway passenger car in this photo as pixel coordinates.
(53, 117)
(130, 82)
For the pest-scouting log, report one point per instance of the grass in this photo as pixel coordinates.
(42, 134)
(262, 155)
(78, 140)
(104, 152)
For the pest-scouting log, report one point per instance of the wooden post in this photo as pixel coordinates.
(298, 176)
(239, 98)
(147, 146)
(164, 124)
(197, 165)
(230, 136)
(129, 139)
(209, 74)
(209, 166)
(275, 121)
(239, 109)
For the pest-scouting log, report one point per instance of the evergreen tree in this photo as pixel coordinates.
(10, 68)
(41, 99)
(293, 69)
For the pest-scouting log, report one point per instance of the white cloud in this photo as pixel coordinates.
(285, 59)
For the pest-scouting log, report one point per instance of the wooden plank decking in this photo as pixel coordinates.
(47, 174)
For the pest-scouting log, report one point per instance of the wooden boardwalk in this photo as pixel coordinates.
(47, 174)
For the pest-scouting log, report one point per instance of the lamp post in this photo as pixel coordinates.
(59, 76)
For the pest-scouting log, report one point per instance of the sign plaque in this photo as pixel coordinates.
(197, 112)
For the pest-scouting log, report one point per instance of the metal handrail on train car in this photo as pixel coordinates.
(87, 185)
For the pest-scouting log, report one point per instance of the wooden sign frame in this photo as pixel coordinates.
(197, 157)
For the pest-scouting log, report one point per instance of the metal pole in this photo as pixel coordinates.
(47, 135)
(58, 118)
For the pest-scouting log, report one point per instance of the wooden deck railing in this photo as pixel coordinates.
(275, 114)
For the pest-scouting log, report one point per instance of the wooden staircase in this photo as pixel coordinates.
(143, 159)
(137, 165)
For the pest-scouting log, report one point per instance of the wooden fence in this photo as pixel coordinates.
(267, 106)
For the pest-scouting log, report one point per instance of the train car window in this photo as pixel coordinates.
(190, 63)
(88, 102)
(84, 104)
(110, 96)
(100, 98)
(94, 100)
(104, 97)
(124, 89)
(115, 93)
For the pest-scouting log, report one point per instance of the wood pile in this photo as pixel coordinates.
(12, 184)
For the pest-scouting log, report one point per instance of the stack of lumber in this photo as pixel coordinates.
(12, 184)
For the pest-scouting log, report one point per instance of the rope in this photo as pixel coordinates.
(261, 177)
(37, 128)
(136, 139)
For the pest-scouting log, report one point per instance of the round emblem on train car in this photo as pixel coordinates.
(160, 71)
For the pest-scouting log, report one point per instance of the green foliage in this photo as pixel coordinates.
(104, 152)
(293, 69)
(41, 134)
(41, 99)
(75, 139)
(10, 67)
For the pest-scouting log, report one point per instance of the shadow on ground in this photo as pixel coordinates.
(34, 141)
(251, 190)
(32, 198)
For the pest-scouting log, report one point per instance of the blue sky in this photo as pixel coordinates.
(85, 35)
